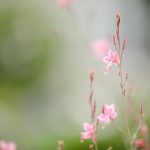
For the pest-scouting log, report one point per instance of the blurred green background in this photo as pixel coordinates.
(45, 58)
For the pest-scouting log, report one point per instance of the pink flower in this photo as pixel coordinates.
(100, 48)
(90, 132)
(144, 130)
(108, 114)
(7, 146)
(65, 3)
(110, 59)
(139, 143)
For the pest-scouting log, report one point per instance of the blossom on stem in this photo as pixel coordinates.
(100, 48)
(108, 114)
(7, 146)
(139, 143)
(112, 58)
(65, 3)
(89, 133)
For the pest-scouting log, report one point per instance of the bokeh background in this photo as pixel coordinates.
(45, 59)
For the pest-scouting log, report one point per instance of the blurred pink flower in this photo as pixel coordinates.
(7, 146)
(100, 48)
(139, 143)
(108, 113)
(90, 132)
(144, 130)
(65, 3)
(110, 59)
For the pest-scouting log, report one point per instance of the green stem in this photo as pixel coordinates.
(96, 146)
(135, 135)
(125, 113)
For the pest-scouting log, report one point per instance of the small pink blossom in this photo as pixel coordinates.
(108, 114)
(65, 3)
(90, 132)
(139, 143)
(100, 48)
(111, 59)
(7, 146)
(144, 130)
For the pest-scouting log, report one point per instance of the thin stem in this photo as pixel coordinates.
(138, 128)
(125, 113)
(131, 145)
(96, 146)
(97, 124)
(121, 130)
(122, 84)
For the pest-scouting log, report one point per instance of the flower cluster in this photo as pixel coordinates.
(108, 113)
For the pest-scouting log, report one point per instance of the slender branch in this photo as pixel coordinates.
(138, 128)
(122, 81)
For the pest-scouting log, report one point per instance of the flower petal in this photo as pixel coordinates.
(85, 135)
(86, 126)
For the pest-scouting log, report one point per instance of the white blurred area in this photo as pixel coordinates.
(62, 92)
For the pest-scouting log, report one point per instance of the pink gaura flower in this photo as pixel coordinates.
(89, 133)
(7, 146)
(100, 48)
(65, 3)
(108, 114)
(139, 143)
(112, 58)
